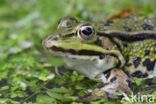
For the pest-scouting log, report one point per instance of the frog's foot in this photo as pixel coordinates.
(117, 83)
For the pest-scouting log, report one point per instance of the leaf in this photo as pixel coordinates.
(61, 90)
(138, 81)
(56, 62)
(43, 99)
(60, 96)
(55, 95)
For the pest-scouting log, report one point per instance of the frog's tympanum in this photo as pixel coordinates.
(109, 51)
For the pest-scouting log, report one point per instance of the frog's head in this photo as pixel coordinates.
(72, 37)
(80, 41)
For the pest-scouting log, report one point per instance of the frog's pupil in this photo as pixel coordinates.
(87, 31)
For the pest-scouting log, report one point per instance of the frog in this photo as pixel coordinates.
(110, 52)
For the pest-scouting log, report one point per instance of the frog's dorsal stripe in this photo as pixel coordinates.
(129, 36)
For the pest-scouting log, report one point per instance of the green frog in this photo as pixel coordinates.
(107, 51)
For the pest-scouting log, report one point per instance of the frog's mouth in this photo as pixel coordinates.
(78, 49)
(80, 52)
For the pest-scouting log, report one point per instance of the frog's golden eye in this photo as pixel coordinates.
(67, 22)
(86, 32)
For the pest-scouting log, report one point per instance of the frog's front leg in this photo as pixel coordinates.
(115, 82)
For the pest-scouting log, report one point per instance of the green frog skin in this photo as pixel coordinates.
(100, 50)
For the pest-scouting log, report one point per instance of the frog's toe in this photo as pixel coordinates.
(116, 90)
(154, 68)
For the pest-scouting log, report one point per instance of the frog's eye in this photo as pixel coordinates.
(86, 32)
(67, 22)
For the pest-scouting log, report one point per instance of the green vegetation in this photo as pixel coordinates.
(27, 74)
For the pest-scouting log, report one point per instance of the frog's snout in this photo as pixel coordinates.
(48, 41)
(53, 38)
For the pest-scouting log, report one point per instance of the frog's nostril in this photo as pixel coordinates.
(48, 41)
(54, 38)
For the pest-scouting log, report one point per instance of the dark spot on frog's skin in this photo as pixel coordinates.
(149, 64)
(136, 61)
(146, 26)
(127, 29)
(147, 52)
(102, 56)
(107, 75)
(113, 79)
(72, 51)
(139, 74)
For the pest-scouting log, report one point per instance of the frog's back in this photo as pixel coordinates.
(133, 23)
(136, 39)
